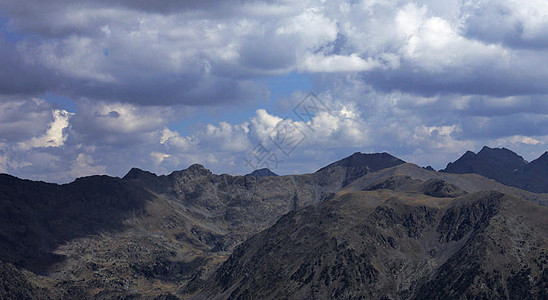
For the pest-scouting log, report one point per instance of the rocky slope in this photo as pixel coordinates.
(411, 178)
(392, 245)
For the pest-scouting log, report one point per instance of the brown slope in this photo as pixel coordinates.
(385, 244)
(469, 183)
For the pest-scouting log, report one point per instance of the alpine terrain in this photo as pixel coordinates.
(369, 226)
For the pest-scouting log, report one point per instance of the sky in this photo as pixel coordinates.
(99, 87)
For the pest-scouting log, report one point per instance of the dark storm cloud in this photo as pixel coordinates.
(482, 128)
(170, 6)
(521, 76)
(102, 50)
(58, 18)
(19, 77)
(269, 52)
(23, 119)
(492, 106)
(170, 90)
(165, 52)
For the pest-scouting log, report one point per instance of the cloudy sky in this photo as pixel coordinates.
(98, 87)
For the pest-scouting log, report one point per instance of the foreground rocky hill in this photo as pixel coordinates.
(392, 245)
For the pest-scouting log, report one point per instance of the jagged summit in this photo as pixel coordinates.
(197, 168)
(264, 172)
(534, 176)
(495, 156)
(504, 166)
(501, 153)
(499, 164)
(539, 163)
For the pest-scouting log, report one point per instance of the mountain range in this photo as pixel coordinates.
(504, 166)
(366, 226)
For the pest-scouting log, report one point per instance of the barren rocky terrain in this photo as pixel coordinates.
(367, 226)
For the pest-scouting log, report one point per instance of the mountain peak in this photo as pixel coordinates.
(356, 165)
(499, 152)
(541, 160)
(469, 153)
(198, 170)
(196, 167)
(499, 164)
(264, 172)
(136, 173)
(374, 161)
(534, 176)
(487, 150)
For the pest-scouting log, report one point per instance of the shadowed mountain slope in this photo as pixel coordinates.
(37, 217)
(505, 167)
(534, 176)
(499, 164)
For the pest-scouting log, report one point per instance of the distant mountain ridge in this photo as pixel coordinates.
(504, 166)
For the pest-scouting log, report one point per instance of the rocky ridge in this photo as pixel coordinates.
(504, 166)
